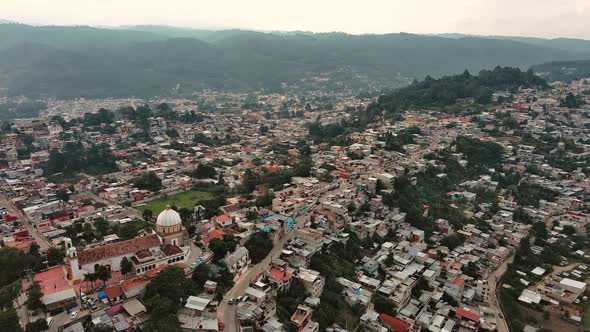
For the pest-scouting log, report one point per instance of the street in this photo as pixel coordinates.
(226, 313)
(501, 325)
(26, 223)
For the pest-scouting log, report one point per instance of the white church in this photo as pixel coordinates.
(162, 247)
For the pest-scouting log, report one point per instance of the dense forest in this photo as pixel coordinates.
(449, 89)
(563, 70)
(24, 109)
(92, 62)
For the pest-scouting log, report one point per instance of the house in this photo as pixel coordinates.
(394, 323)
(238, 261)
(312, 280)
(223, 221)
(114, 294)
(301, 317)
(280, 278)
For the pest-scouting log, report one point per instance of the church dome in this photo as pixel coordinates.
(168, 218)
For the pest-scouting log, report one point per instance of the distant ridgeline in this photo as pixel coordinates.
(449, 89)
(563, 70)
(70, 62)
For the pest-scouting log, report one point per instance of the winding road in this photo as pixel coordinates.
(501, 325)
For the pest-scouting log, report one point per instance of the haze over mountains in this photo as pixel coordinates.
(153, 60)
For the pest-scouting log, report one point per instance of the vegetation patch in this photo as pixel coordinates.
(187, 200)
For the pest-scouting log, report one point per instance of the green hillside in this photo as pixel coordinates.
(151, 60)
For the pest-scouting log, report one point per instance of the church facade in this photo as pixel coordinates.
(161, 248)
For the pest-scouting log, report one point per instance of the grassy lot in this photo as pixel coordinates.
(65, 178)
(587, 318)
(187, 199)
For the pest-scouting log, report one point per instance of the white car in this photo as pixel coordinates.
(73, 314)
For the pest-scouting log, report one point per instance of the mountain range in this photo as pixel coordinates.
(69, 62)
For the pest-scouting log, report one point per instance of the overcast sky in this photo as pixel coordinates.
(542, 18)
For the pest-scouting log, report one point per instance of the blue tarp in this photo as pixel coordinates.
(102, 295)
(291, 222)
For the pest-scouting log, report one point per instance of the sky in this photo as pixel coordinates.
(535, 18)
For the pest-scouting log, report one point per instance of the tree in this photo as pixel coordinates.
(101, 225)
(34, 296)
(264, 201)
(250, 180)
(102, 328)
(9, 321)
(200, 276)
(452, 241)
(172, 133)
(103, 273)
(384, 305)
(163, 317)
(128, 231)
(220, 180)
(186, 215)
(126, 266)
(55, 256)
(540, 230)
(379, 186)
(92, 277)
(220, 248)
(147, 214)
(204, 171)
(569, 230)
(572, 101)
(63, 195)
(37, 326)
(34, 249)
(170, 284)
(9, 293)
(149, 181)
(259, 246)
(251, 215)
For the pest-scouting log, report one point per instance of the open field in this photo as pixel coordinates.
(187, 199)
(587, 318)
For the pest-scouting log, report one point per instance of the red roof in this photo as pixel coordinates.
(395, 323)
(459, 282)
(464, 313)
(223, 219)
(272, 169)
(118, 249)
(113, 292)
(279, 275)
(132, 284)
(53, 280)
(214, 234)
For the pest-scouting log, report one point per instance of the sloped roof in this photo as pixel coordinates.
(127, 247)
(396, 324)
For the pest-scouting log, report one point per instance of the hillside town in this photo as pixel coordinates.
(277, 212)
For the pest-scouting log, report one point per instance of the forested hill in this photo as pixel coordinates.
(563, 70)
(148, 61)
(449, 89)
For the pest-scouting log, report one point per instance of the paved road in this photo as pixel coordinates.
(26, 222)
(226, 313)
(501, 325)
